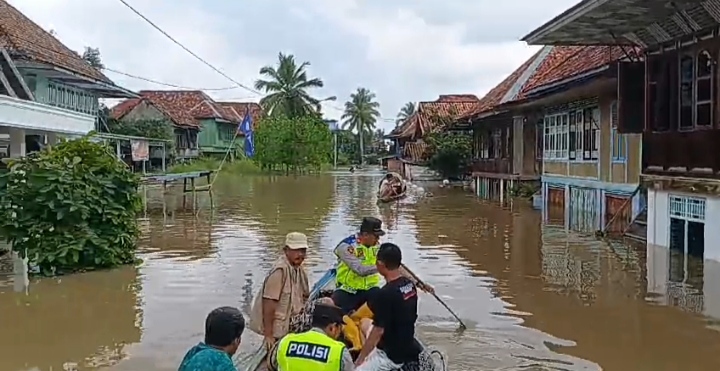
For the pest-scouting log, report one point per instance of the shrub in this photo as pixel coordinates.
(71, 208)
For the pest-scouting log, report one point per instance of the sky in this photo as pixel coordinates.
(402, 50)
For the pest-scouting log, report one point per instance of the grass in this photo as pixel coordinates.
(242, 166)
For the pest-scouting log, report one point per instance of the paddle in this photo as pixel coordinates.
(462, 325)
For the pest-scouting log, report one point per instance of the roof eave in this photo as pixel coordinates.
(536, 36)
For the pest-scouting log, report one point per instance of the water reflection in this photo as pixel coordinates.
(85, 319)
(535, 297)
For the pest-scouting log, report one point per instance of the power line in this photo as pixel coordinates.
(165, 83)
(129, 74)
(186, 49)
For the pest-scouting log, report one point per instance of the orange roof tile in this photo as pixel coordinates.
(564, 62)
(241, 108)
(424, 120)
(183, 107)
(25, 40)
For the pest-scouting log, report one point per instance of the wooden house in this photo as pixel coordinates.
(411, 150)
(202, 126)
(554, 119)
(670, 97)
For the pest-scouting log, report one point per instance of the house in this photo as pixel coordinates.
(429, 117)
(46, 89)
(504, 147)
(554, 118)
(674, 104)
(202, 126)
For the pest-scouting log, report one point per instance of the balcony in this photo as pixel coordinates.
(29, 115)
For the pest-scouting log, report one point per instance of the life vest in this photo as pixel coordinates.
(350, 281)
(311, 350)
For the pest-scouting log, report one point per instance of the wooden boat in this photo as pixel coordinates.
(255, 360)
(393, 197)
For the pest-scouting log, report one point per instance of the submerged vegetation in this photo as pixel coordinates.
(71, 208)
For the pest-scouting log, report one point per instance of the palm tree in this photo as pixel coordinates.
(405, 112)
(361, 114)
(286, 87)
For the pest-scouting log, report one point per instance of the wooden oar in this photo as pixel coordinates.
(462, 324)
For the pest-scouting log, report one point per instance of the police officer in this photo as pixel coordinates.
(357, 277)
(317, 349)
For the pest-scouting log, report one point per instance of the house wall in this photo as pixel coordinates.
(215, 137)
(60, 95)
(185, 138)
(599, 176)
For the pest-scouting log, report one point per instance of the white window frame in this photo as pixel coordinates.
(618, 141)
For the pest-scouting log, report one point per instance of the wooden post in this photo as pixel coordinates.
(502, 190)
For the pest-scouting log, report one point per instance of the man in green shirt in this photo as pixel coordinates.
(223, 328)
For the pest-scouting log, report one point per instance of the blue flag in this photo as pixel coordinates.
(246, 129)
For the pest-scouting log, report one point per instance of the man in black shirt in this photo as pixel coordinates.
(391, 342)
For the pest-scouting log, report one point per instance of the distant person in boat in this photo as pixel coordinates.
(357, 276)
(391, 341)
(223, 329)
(284, 292)
(317, 349)
(391, 185)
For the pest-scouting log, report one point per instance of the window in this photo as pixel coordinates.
(617, 140)
(539, 139)
(687, 235)
(696, 90)
(496, 144)
(572, 135)
(483, 147)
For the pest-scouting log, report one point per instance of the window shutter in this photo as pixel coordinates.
(631, 97)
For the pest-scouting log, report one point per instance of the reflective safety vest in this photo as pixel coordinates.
(350, 281)
(311, 350)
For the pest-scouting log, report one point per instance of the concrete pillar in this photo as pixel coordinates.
(52, 139)
(17, 143)
(502, 191)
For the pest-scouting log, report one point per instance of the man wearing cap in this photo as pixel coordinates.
(284, 292)
(357, 276)
(317, 349)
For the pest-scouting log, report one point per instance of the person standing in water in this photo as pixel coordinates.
(224, 327)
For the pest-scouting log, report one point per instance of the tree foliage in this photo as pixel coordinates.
(293, 144)
(71, 208)
(92, 56)
(450, 153)
(360, 115)
(287, 86)
(405, 112)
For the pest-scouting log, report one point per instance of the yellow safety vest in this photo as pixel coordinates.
(309, 350)
(350, 281)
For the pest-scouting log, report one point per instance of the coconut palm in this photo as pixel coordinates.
(405, 112)
(361, 114)
(287, 86)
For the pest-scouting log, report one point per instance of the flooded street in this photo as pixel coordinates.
(533, 297)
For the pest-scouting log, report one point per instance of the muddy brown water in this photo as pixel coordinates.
(534, 297)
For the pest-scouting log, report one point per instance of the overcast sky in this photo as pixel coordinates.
(402, 50)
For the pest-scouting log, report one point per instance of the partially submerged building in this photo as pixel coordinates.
(670, 98)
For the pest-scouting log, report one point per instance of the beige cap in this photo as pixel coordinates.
(296, 240)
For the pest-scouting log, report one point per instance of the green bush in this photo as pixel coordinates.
(240, 166)
(71, 208)
(450, 153)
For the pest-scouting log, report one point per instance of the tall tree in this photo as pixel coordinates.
(361, 114)
(287, 86)
(92, 56)
(405, 112)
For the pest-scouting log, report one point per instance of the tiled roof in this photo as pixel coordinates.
(549, 65)
(241, 108)
(25, 40)
(183, 107)
(124, 107)
(564, 62)
(424, 120)
(495, 96)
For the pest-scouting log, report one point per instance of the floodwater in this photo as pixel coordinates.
(534, 297)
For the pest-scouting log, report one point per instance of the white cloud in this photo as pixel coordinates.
(404, 51)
